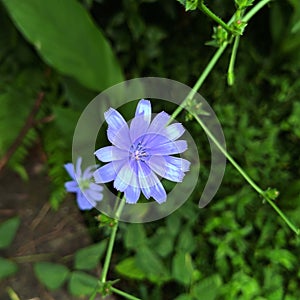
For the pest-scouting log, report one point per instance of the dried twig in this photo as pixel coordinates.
(26, 127)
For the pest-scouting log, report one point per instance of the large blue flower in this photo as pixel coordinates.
(140, 152)
(83, 182)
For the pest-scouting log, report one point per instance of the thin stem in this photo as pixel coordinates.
(12, 294)
(230, 76)
(255, 9)
(200, 81)
(283, 216)
(246, 176)
(213, 16)
(229, 157)
(112, 241)
(125, 295)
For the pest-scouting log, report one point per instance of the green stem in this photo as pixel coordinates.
(282, 215)
(111, 241)
(213, 16)
(125, 295)
(255, 9)
(246, 176)
(200, 81)
(230, 77)
(229, 157)
(12, 294)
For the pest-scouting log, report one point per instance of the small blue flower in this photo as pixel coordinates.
(83, 182)
(140, 152)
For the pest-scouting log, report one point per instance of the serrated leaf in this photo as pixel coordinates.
(67, 39)
(82, 284)
(50, 274)
(8, 230)
(88, 258)
(7, 268)
(128, 268)
(208, 287)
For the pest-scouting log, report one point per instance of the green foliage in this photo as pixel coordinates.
(8, 230)
(7, 268)
(82, 284)
(50, 274)
(237, 247)
(90, 61)
(88, 258)
(130, 269)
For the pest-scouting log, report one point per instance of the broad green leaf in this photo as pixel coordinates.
(182, 268)
(88, 258)
(128, 268)
(8, 230)
(173, 224)
(7, 268)
(151, 265)
(184, 297)
(135, 236)
(208, 288)
(186, 240)
(67, 39)
(50, 274)
(82, 284)
(162, 242)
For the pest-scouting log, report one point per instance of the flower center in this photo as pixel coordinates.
(84, 184)
(138, 152)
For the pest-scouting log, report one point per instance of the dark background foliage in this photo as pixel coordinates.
(235, 248)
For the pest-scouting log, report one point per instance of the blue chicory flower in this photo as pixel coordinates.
(140, 152)
(83, 181)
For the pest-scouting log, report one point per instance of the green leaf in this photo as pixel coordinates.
(128, 268)
(208, 288)
(151, 265)
(67, 39)
(8, 230)
(7, 268)
(88, 258)
(184, 297)
(135, 236)
(186, 240)
(82, 284)
(182, 268)
(50, 274)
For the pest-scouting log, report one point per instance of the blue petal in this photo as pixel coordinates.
(123, 178)
(158, 193)
(93, 195)
(78, 167)
(114, 119)
(82, 202)
(72, 186)
(138, 127)
(117, 132)
(160, 166)
(173, 131)
(181, 163)
(147, 178)
(159, 122)
(111, 153)
(106, 173)
(168, 148)
(132, 194)
(70, 169)
(144, 108)
(88, 172)
(120, 138)
(96, 187)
